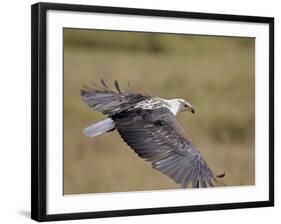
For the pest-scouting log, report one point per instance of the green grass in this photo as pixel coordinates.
(215, 74)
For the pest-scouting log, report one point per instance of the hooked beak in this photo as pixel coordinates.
(192, 110)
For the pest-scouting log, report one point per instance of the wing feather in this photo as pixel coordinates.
(117, 86)
(108, 101)
(156, 136)
(104, 84)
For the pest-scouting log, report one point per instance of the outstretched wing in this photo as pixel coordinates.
(156, 136)
(108, 101)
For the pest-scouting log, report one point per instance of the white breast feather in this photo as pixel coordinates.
(174, 106)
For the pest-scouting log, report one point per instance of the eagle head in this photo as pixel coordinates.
(186, 106)
(179, 105)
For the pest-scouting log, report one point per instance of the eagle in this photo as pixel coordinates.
(149, 126)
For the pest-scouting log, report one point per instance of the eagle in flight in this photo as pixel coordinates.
(149, 126)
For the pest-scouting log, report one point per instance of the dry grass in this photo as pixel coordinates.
(215, 74)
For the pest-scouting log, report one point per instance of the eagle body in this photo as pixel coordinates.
(148, 125)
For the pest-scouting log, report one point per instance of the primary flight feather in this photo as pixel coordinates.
(148, 125)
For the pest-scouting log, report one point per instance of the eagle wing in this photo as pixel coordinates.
(108, 101)
(156, 136)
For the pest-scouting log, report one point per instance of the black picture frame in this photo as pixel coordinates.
(38, 108)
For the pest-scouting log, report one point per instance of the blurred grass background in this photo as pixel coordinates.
(215, 74)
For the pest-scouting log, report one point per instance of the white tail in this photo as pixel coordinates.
(99, 127)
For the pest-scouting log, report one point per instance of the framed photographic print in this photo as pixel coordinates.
(139, 111)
